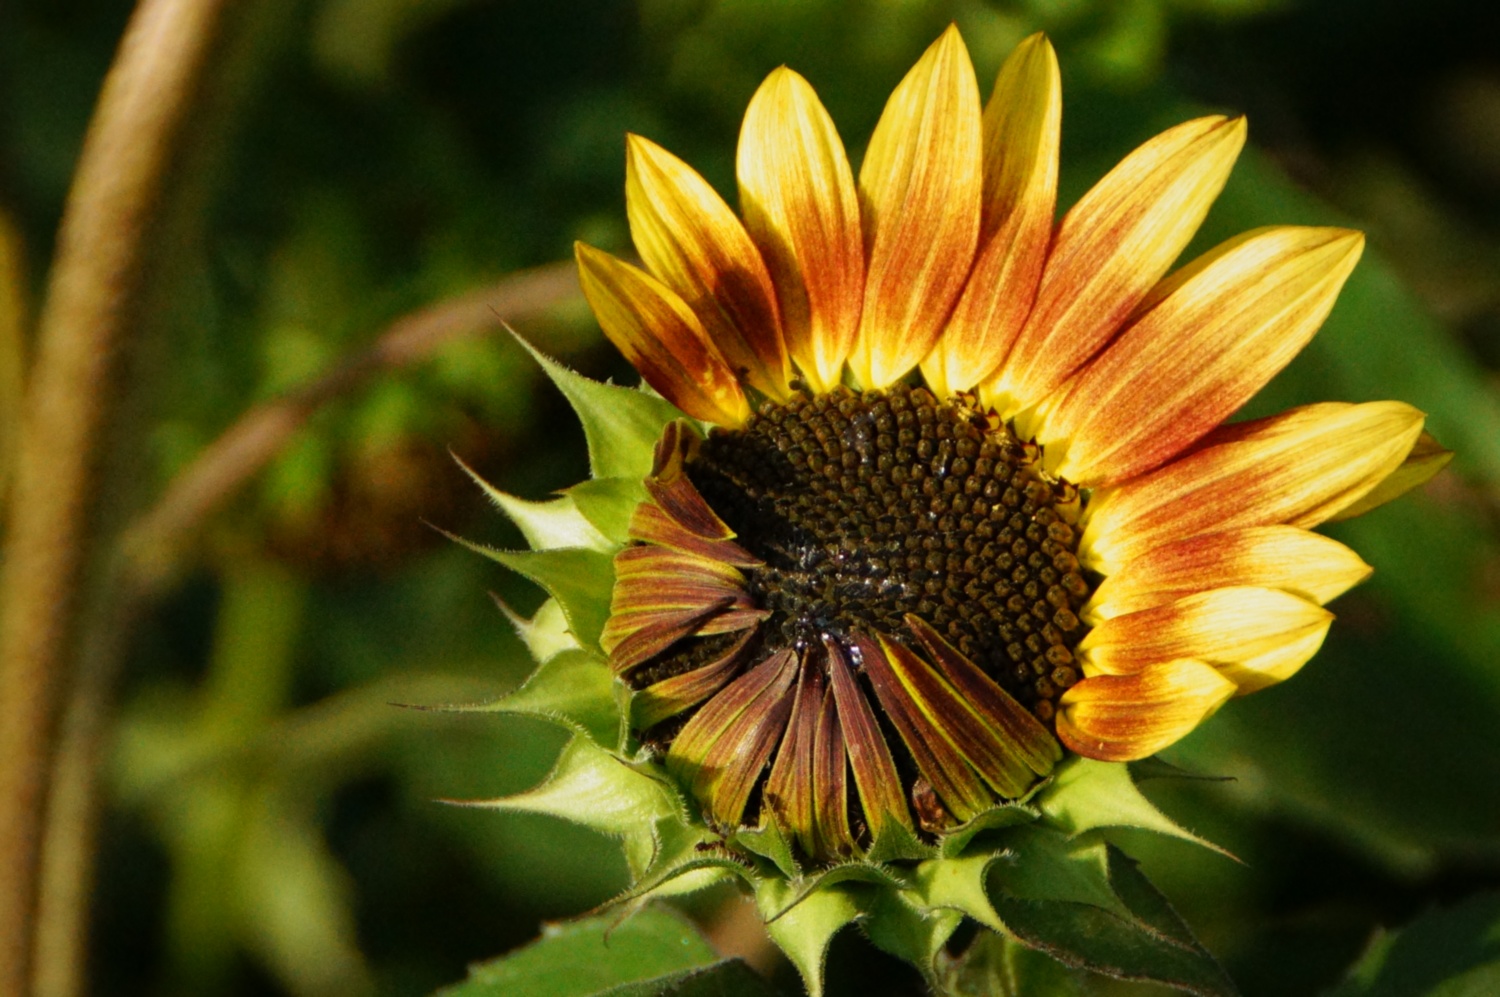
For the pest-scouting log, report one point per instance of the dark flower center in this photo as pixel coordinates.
(869, 506)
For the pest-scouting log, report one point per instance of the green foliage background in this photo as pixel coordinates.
(271, 824)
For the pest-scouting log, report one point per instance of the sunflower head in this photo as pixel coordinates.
(931, 515)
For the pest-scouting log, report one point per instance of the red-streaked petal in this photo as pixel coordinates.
(1209, 338)
(650, 524)
(797, 194)
(833, 836)
(691, 240)
(1120, 718)
(880, 795)
(1022, 123)
(669, 697)
(998, 758)
(789, 788)
(1220, 627)
(1306, 564)
(662, 595)
(661, 337)
(1299, 468)
(678, 516)
(723, 749)
(1426, 458)
(1111, 247)
(920, 187)
(960, 788)
(1009, 723)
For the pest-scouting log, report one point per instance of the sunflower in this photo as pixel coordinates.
(954, 496)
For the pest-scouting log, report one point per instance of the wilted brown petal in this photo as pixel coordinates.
(669, 697)
(724, 747)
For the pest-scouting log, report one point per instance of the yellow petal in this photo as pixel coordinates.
(797, 195)
(1022, 122)
(919, 189)
(1222, 626)
(1120, 718)
(694, 244)
(1111, 247)
(1298, 467)
(1275, 665)
(1426, 459)
(661, 337)
(1312, 566)
(1209, 337)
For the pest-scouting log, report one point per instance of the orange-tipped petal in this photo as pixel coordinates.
(920, 187)
(692, 241)
(1120, 718)
(1022, 124)
(1275, 665)
(1111, 247)
(1209, 337)
(1310, 565)
(661, 337)
(1426, 459)
(797, 194)
(1220, 627)
(1299, 468)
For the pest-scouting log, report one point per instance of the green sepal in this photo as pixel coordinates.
(593, 956)
(557, 522)
(849, 872)
(804, 930)
(1156, 768)
(898, 843)
(958, 884)
(1085, 794)
(573, 689)
(620, 424)
(608, 504)
(1005, 815)
(896, 923)
(769, 841)
(1044, 864)
(546, 634)
(581, 581)
(595, 788)
(1150, 943)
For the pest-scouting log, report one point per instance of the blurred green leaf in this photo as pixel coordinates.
(1447, 953)
(593, 957)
